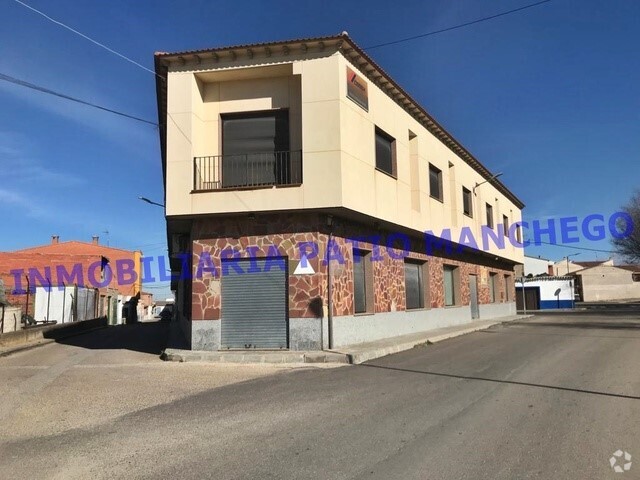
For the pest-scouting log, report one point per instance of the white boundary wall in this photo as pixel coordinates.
(56, 304)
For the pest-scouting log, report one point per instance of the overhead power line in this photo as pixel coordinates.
(532, 244)
(86, 37)
(462, 25)
(23, 83)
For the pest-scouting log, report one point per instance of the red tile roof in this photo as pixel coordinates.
(631, 268)
(590, 263)
(72, 247)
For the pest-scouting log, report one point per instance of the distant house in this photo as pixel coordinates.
(268, 149)
(562, 267)
(607, 282)
(534, 266)
(145, 307)
(10, 317)
(85, 264)
(3, 297)
(543, 293)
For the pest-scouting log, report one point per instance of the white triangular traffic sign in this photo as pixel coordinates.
(304, 267)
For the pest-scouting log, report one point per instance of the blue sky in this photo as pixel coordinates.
(549, 96)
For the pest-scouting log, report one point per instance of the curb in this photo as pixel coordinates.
(302, 358)
(328, 356)
(361, 357)
(22, 348)
(46, 341)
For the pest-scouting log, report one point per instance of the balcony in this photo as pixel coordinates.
(250, 170)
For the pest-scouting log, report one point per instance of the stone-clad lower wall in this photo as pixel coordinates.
(282, 235)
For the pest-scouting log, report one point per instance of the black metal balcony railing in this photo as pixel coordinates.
(247, 170)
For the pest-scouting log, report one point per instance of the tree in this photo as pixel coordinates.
(629, 246)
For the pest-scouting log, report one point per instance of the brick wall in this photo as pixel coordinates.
(46, 260)
(282, 234)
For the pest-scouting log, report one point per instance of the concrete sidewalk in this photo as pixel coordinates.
(362, 352)
(349, 354)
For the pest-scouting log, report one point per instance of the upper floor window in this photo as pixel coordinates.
(505, 225)
(467, 206)
(489, 216)
(385, 152)
(435, 182)
(255, 152)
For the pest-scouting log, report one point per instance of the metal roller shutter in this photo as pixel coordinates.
(254, 303)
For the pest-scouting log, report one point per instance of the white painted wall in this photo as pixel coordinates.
(49, 305)
(548, 288)
(536, 266)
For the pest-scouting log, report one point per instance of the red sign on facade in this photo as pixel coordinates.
(357, 89)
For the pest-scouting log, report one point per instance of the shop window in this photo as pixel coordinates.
(493, 287)
(362, 282)
(414, 284)
(450, 288)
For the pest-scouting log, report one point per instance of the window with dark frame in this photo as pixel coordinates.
(255, 148)
(635, 277)
(505, 225)
(435, 182)
(413, 282)
(489, 216)
(449, 285)
(362, 282)
(385, 152)
(359, 282)
(493, 287)
(466, 202)
(507, 287)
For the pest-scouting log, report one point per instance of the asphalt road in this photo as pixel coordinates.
(551, 398)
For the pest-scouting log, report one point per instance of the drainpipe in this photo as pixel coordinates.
(329, 285)
(26, 307)
(48, 298)
(524, 299)
(64, 298)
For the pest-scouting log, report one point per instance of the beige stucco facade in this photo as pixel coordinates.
(336, 137)
(341, 194)
(562, 267)
(607, 282)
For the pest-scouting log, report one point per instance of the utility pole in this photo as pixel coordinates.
(567, 258)
(571, 284)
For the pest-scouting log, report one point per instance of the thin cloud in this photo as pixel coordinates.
(139, 139)
(20, 202)
(21, 165)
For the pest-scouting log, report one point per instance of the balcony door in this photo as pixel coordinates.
(255, 148)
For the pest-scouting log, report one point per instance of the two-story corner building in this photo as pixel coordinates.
(299, 182)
